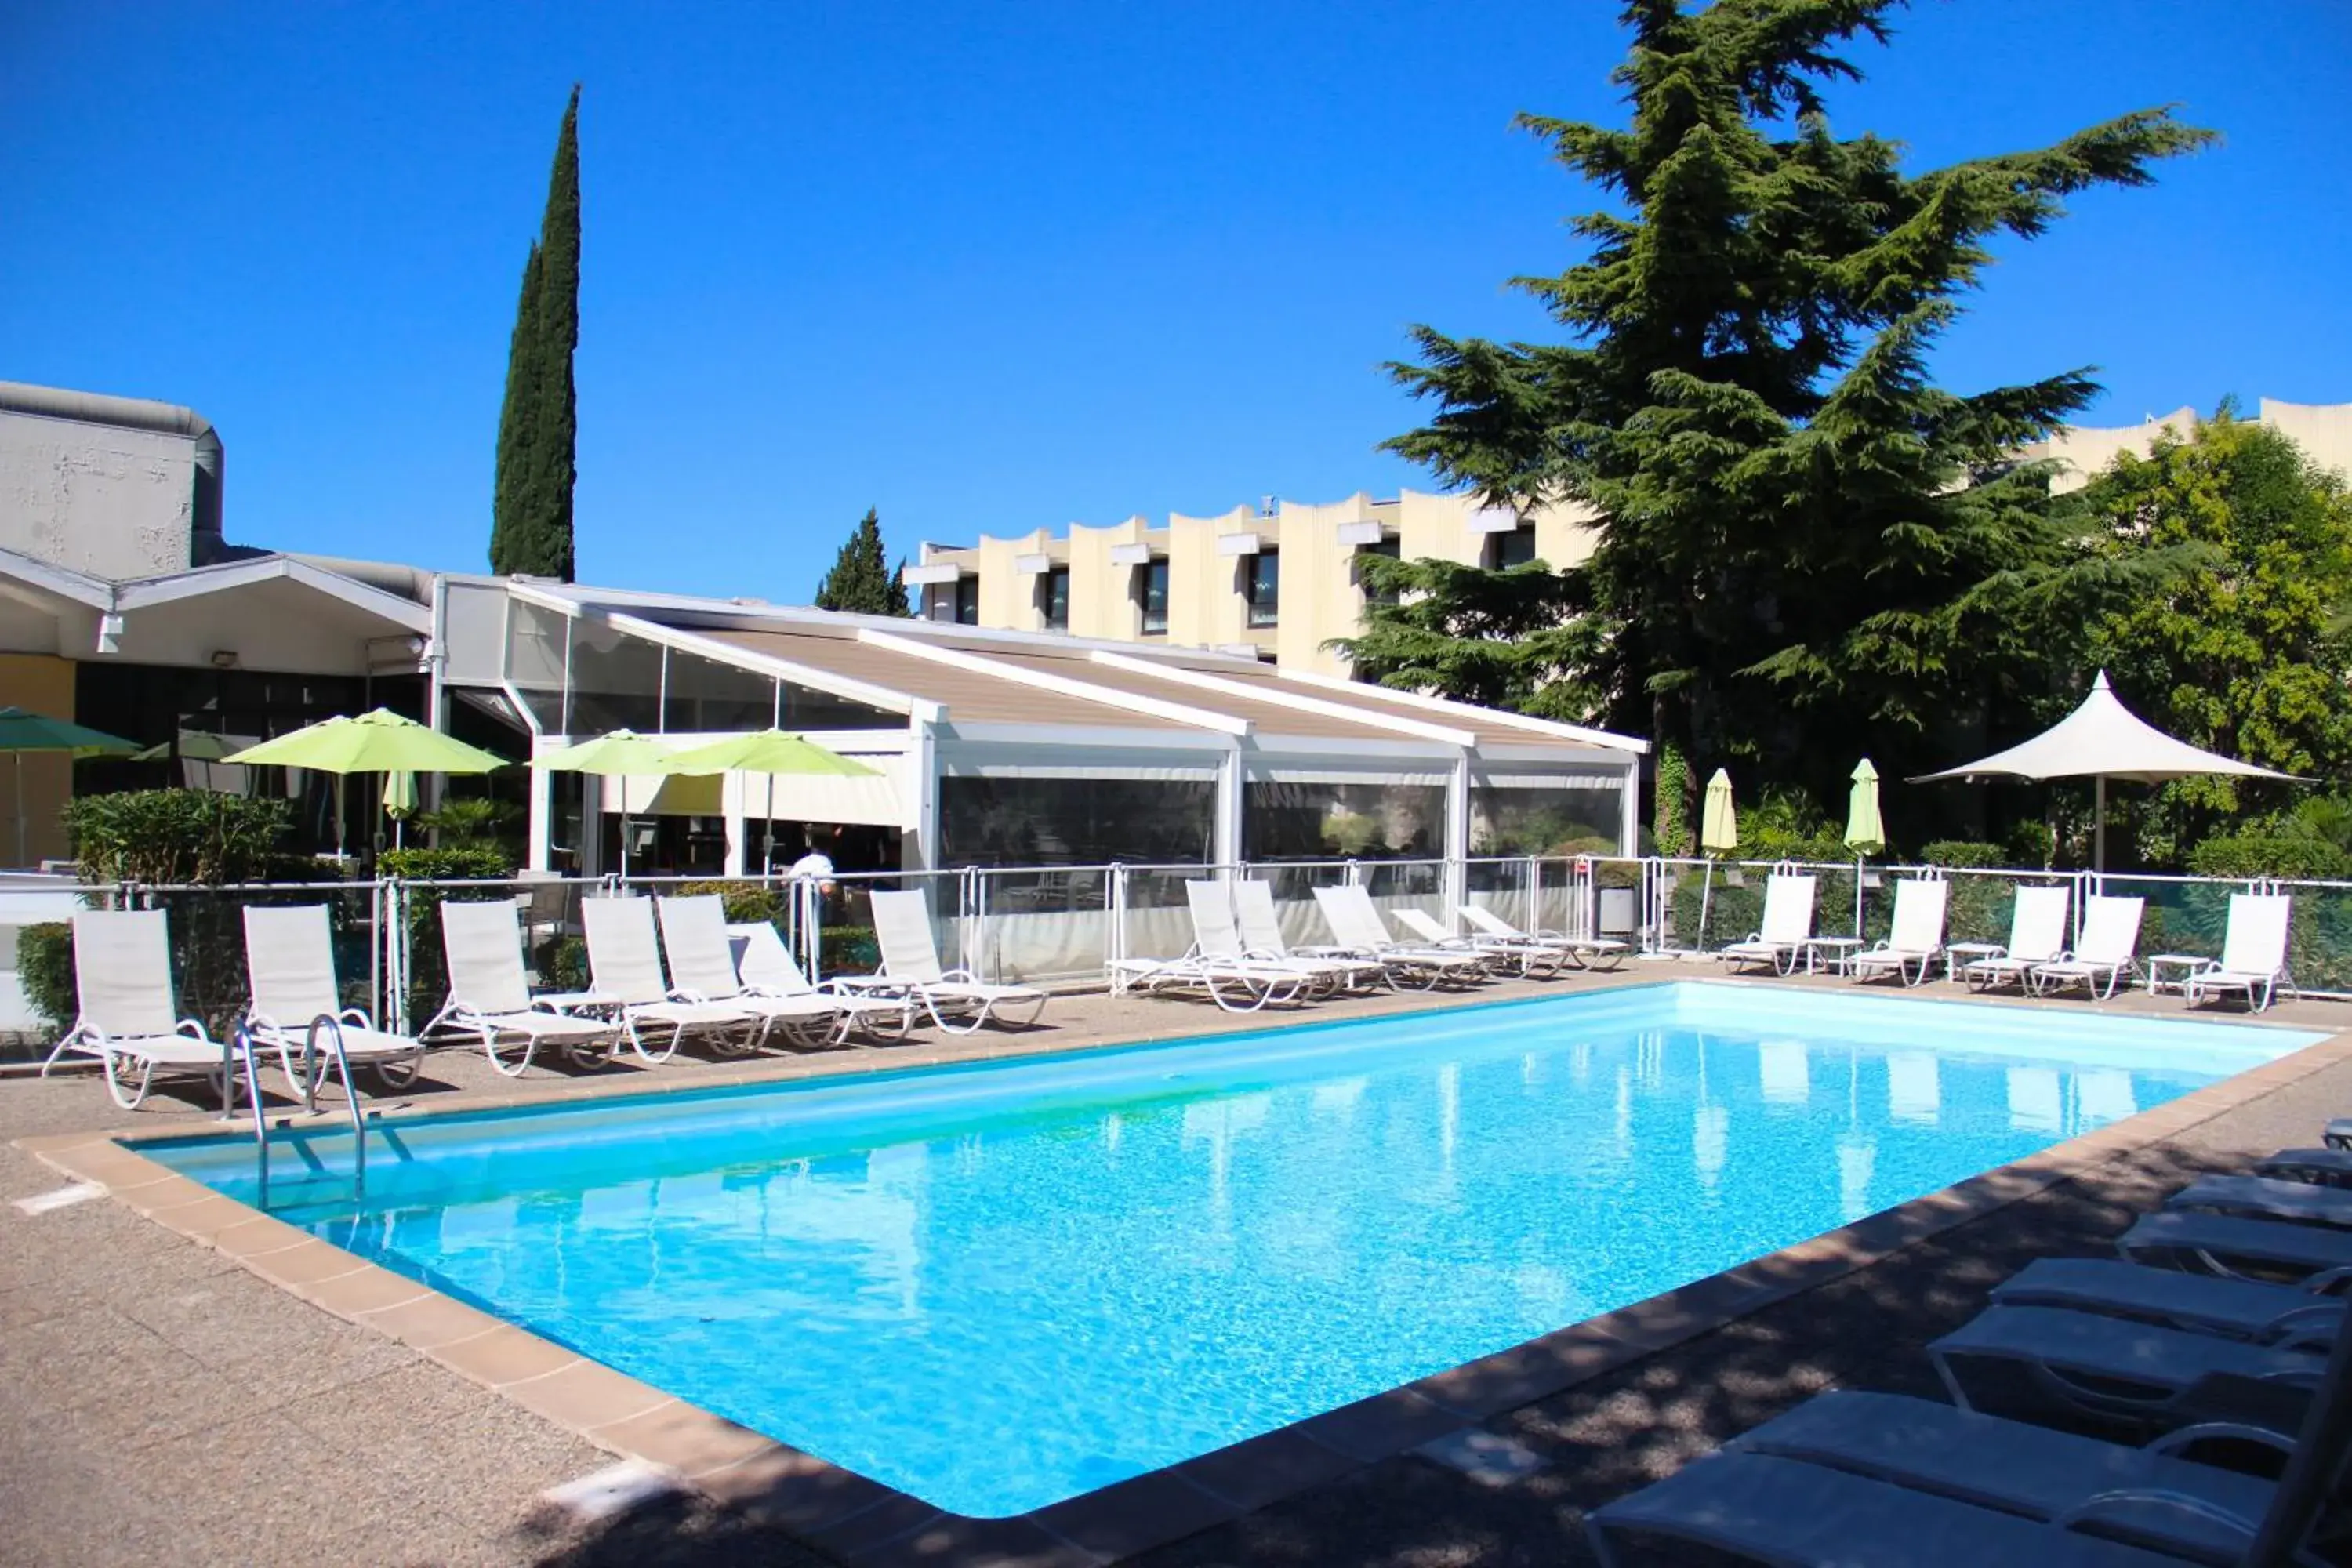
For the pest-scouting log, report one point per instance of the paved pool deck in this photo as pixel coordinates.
(164, 1402)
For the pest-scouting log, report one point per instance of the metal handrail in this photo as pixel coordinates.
(311, 1077)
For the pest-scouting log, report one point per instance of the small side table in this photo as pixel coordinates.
(2188, 963)
(1829, 953)
(1956, 953)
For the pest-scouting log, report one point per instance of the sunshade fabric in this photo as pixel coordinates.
(21, 730)
(400, 795)
(2105, 738)
(775, 752)
(623, 752)
(380, 742)
(1863, 828)
(1718, 829)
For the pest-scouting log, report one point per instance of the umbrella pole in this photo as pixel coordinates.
(2099, 824)
(1706, 892)
(19, 759)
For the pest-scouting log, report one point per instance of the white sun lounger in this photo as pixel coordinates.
(2226, 1245)
(122, 983)
(1260, 931)
(2110, 1367)
(2254, 953)
(2250, 1310)
(490, 1000)
(290, 967)
(958, 1001)
(1355, 923)
(765, 967)
(1534, 959)
(1917, 938)
(2268, 1197)
(701, 963)
(1786, 926)
(2037, 935)
(2102, 958)
(625, 967)
(1216, 963)
(1583, 949)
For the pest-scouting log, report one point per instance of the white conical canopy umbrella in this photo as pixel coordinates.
(2104, 739)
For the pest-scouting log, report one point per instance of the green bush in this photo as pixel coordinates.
(177, 836)
(428, 964)
(450, 863)
(45, 964)
(848, 949)
(746, 903)
(2258, 853)
(563, 963)
(1966, 853)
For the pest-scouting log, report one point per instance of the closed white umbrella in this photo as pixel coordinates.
(2104, 739)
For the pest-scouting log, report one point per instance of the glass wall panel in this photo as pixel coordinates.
(805, 708)
(615, 681)
(1543, 821)
(534, 660)
(1074, 821)
(1368, 821)
(702, 694)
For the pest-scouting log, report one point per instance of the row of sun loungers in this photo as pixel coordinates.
(2234, 1287)
(734, 987)
(1241, 960)
(2036, 958)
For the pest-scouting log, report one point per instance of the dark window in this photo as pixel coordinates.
(1075, 822)
(1517, 548)
(1391, 547)
(703, 695)
(967, 601)
(1262, 586)
(1054, 597)
(1152, 593)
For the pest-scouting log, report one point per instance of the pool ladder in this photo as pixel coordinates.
(329, 1027)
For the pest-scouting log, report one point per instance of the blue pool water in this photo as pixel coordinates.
(997, 1286)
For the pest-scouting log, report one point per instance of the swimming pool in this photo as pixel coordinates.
(998, 1286)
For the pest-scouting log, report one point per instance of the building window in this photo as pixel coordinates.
(1262, 586)
(1517, 548)
(1150, 591)
(1054, 597)
(1390, 547)
(967, 601)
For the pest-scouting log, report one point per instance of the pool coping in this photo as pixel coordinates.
(863, 1521)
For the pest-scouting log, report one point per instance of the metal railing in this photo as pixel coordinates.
(1059, 924)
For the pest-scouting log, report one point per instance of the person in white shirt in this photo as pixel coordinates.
(814, 864)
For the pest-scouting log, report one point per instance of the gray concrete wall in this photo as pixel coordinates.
(98, 498)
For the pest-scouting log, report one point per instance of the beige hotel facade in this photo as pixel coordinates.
(1280, 579)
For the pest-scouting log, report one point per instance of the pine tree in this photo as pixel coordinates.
(530, 524)
(1804, 548)
(861, 579)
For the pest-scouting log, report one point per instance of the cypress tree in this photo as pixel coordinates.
(1805, 548)
(861, 579)
(530, 520)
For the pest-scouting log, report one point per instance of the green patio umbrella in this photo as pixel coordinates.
(777, 753)
(22, 732)
(1718, 834)
(377, 741)
(399, 801)
(1864, 830)
(624, 753)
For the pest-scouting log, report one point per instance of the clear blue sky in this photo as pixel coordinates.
(993, 267)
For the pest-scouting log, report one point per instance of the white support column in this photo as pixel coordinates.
(918, 840)
(1629, 831)
(1457, 836)
(731, 788)
(1225, 844)
(542, 817)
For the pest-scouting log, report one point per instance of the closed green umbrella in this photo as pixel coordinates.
(1864, 830)
(378, 741)
(1718, 834)
(22, 731)
(624, 753)
(399, 801)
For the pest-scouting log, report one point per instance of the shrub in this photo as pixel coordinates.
(1964, 853)
(848, 949)
(563, 963)
(746, 903)
(177, 836)
(2259, 854)
(428, 964)
(45, 964)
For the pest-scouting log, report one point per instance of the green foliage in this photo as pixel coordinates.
(1672, 811)
(428, 962)
(530, 525)
(1964, 853)
(450, 862)
(1804, 546)
(861, 579)
(2248, 657)
(45, 966)
(476, 820)
(745, 902)
(563, 963)
(848, 949)
(179, 836)
(2252, 852)
(1518, 638)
